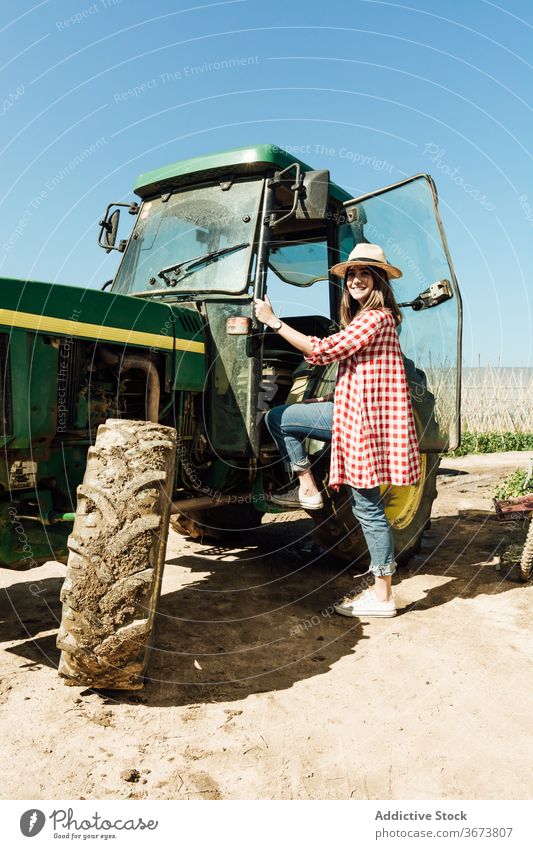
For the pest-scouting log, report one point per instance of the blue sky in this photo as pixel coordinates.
(127, 86)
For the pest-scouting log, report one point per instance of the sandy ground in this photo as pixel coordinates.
(256, 692)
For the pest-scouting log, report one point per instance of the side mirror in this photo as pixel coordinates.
(110, 230)
(109, 227)
(432, 296)
(313, 201)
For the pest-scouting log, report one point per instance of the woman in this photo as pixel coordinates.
(370, 423)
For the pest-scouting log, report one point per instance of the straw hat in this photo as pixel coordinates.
(366, 254)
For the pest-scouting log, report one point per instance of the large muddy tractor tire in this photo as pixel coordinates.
(116, 556)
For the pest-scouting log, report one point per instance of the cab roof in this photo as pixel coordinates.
(251, 160)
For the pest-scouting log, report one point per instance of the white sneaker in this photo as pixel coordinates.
(295, 498)
(366, 604)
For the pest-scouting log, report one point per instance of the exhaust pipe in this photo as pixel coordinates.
(135, 361)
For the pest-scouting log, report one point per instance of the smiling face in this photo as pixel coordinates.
(359, 282)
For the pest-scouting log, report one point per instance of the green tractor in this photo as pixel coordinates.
(128, 408)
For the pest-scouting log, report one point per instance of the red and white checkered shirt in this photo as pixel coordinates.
(374, 437)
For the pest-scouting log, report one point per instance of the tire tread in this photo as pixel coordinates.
(116, 558)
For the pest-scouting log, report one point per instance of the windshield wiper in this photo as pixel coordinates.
(190, 265)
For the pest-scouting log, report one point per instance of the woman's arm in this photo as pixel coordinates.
(339, 346)
(265, 314)
(361, 331)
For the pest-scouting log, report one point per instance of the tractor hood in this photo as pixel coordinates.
(71, 311)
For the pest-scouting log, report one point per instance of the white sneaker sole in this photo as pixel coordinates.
(292, 505)
(375, 614)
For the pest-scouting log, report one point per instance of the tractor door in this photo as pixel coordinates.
(404, 219)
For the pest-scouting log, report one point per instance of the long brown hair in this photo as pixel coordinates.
(380, 298)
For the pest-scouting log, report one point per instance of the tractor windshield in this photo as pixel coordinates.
(199, 222)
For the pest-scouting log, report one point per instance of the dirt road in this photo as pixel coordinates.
(258, 692)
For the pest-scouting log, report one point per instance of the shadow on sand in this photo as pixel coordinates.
(257, 617)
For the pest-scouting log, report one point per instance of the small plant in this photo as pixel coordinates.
(513, 552)
(517, 484)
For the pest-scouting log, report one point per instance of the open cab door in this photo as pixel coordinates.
(404, 219)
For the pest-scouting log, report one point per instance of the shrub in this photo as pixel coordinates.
(488, 443)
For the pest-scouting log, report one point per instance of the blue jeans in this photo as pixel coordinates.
(289, 425)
